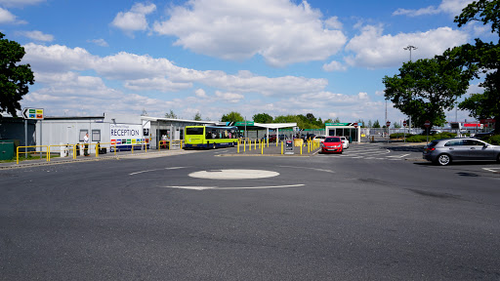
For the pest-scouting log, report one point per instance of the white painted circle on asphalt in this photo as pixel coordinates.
(233, 174)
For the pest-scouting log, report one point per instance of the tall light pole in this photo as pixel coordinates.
(409, 48)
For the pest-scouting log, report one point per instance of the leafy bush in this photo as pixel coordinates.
(493, 140)
(418, 138)
(444, 135)
(397, 135)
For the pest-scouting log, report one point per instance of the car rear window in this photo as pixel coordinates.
(432, 143)
(332, 140)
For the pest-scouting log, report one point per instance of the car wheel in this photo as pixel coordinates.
(444, 159)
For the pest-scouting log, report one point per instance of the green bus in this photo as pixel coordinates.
(210, 136)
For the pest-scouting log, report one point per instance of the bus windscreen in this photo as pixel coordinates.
(194, 131)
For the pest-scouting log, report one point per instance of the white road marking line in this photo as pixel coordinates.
(200, 188)
(493, 170)
(154, 170)
(306, 168)
(399, 156)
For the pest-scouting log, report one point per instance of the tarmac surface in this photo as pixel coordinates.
(254, 150)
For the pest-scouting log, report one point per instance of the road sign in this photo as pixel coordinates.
(355, 125)
(427, 123)
(388, 124)
(289, 147)
(33, 113)
(247, 123)
(404, 123)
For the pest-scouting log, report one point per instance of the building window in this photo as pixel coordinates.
(96, 135)
(82, 134)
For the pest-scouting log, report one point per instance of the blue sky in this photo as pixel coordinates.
(215, 56)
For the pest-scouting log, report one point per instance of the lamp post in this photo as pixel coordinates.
(410, 48)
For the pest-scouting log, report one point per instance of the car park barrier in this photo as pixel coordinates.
(102, 147)
(47, 149)
(163, 144)
(64, 150)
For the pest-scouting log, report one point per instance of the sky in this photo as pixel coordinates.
(280, 57)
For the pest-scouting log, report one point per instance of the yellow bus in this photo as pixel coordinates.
(210, 136)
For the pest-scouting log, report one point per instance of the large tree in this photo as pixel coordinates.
(232, 116)
(262, 118)
(425, 89)
(14, 77)
(486, 56)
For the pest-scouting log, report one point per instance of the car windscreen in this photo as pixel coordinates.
(332, 140)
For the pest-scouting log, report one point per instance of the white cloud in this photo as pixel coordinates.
(334, 66)
(19, 3)
(135, 19)
(229, 97)
(7, 17)
(333, 23)
(57, 58)
(452, 7)
(59, 73)
(373, 49)
(156, 84)
(201, 93)
(99, 42)
(126, 66)
(280, 31)
(38, 36)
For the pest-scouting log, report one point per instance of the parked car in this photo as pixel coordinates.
(320, 138)
(345, 142)
(332, 145)
(485, 134)
(445, 151)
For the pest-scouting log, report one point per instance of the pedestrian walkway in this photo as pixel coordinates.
(140, 154)
(272, 150)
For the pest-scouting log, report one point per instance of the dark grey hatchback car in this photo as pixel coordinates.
(444, 151)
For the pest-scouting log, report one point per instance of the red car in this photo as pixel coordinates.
(332, 145)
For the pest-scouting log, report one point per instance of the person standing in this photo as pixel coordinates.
(86, 145)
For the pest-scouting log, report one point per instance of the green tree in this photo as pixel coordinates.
(376, 124)
(262, 118)
(370, 124)
(426, 88)
(171, 115)
(233, 116)
(197, 116)
(486, 56)
(14, 78)
(363, 124)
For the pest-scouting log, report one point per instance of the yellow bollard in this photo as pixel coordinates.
(255, 147)
(249, 145)
(244, 145)
(300, 149)
(281, 148)
(238, 146)
(262, 148)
